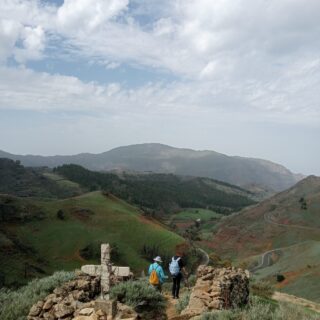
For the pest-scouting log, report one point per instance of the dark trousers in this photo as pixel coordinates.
(176, 285)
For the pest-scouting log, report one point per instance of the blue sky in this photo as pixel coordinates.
(238, 77)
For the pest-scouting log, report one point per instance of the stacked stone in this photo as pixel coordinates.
(64, 301)
(217, 289)
(77, 300)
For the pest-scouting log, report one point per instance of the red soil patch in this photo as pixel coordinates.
(184, 225)
(289, 277)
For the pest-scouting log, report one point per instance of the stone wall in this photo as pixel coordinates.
(78, 299)
(65, 300)
(218, 288)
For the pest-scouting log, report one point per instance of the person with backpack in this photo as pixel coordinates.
(156, 274)
(176, 267)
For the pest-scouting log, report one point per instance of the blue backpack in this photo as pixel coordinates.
(174, 267)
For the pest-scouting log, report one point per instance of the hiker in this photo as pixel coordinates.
(176, 267)
(156, 274)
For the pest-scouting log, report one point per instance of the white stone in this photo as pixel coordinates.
(86, 311)
(95, 270)
(91, 270)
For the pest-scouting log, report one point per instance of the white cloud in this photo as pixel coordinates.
(77, 16)
(33, 40)
(9, 34)
(250, 56)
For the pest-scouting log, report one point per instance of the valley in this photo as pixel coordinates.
(55, 219)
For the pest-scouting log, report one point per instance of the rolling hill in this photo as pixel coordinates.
(18, 180)
(65, 234)
(249, 173)
(281, 235)
(162, 193)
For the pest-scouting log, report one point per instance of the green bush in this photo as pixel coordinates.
(183, 301)
(222, 315)
(280, 277)
(262, 289)
(141, 296)
(192, 279)
(15, 305)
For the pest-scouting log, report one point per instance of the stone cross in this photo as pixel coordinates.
(105, 270)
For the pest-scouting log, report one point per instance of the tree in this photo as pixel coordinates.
(61, 215)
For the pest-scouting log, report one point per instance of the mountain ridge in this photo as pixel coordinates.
(161, 158)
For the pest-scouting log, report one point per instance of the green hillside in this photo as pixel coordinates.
(299, 265)
(48, 242)
(288, 223)
(162, 193)
(18, 180)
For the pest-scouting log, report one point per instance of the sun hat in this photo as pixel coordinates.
(157, 259)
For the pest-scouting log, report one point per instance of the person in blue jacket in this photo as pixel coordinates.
(156, 265)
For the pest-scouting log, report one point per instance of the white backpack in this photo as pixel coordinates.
(174, 267)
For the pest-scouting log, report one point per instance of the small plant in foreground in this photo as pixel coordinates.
(15, 305)
(262, 289)
(183, 301)
(139, 295)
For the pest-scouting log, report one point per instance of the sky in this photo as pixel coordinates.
(241, 77)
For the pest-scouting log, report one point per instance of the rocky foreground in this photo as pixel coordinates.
(215, 289)
(78, 300)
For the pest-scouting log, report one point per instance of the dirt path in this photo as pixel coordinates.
(279, 296)
(171, 307)
(266, 256)
(269, 218)
(205, 260)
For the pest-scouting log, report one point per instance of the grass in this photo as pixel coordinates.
(260, 309)
(300, 266)
(146, 300)
(183, 301)
(57, 242)
(196, 213)
(64, 183)
(15, 305)
(245, 236)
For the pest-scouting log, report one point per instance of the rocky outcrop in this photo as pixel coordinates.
(78, 300)
(218, 288)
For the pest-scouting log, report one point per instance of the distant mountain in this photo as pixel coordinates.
(285, 230)
(249, 173)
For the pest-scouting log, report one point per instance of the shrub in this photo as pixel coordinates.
(222, 315)
(183, 301)
(280, 277)
(60, 214)
(139, 295)
(192, 280)
(258, 310)
(262, 289)
(15, 305)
